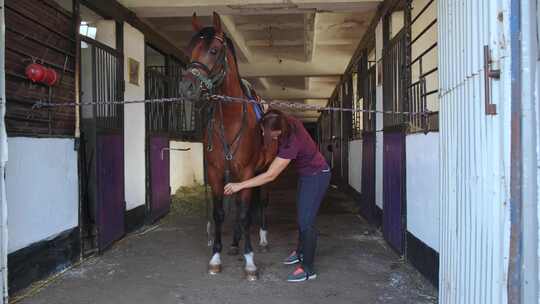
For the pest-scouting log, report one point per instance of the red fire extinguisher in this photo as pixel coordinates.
(40, 74)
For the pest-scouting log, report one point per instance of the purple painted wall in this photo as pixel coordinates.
(160, 195)
(394, 189)
(367, 205)
(110, 188)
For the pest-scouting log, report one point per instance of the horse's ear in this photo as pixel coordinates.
(217, 23)
(195, 23)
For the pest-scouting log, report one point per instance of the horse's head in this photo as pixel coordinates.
(208, 66)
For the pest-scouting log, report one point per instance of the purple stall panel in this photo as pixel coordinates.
(393, 189)
(367, 205)
(160, 195)
(110, 188)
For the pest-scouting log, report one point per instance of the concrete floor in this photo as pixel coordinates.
(167, 263)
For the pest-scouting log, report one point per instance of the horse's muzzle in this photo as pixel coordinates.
(191, 88)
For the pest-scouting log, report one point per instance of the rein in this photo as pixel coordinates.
(210, 84)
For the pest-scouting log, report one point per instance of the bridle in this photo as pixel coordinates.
(214, 77)
(207, 85)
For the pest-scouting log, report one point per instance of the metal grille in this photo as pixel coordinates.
(156, 87)
(357, 121)
(183, 121)
(176, 119)
(394, 81)
(370, 100)
(106, 86)
(418, 102)
(424, 68)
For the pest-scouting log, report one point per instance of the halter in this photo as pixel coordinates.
(214, 78)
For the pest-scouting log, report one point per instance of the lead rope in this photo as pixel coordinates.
(227, 155)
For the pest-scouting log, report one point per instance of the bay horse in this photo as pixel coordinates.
(234, 146)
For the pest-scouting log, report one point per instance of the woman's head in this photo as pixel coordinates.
(274, 125)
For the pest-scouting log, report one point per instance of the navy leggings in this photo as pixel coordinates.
(311, 190)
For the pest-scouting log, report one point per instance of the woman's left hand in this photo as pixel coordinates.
(232, 188)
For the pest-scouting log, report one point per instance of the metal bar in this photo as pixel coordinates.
(94, 81)
(422, 11)
(490, 109)
(435, 69)
(76, 25)
(99, 45)
(172, 149)
(515, 276)
(430, 93)
(424, 53)
(430, 25)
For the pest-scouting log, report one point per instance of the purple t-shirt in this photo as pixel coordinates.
(301, 148)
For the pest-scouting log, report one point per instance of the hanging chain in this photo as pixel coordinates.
(222, 98)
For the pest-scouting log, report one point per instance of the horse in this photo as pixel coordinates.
(234, 145)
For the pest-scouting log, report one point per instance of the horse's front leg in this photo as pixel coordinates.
(259, 213)
(218, 214)
(245, 219)
(237, 233)
(263, 199)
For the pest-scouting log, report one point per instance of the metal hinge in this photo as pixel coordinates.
(489, 73)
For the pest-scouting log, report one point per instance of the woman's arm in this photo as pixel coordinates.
(276, 167)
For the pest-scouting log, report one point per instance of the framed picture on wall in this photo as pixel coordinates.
(133, 70)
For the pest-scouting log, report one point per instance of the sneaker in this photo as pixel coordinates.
(300, 275)
(293, 258)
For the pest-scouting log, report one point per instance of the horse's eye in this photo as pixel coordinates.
(213, 51)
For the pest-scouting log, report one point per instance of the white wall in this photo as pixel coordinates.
(186, 167)
(134, 122)
(42, 189)
(423, 188)
(106, 32)
(379, 126)
(355, 165)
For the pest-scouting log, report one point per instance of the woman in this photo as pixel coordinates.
(295, 143)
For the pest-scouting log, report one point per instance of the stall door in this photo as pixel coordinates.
(157, 132)
(394, 84)
(102, 213)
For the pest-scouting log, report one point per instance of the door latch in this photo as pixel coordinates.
(489, 73)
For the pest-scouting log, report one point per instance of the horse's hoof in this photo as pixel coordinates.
(251, 275)
(264, 248)
(214, 269)
(233, 251)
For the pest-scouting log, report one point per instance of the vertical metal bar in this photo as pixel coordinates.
(94, 80)
(3, 161)
(516, 204)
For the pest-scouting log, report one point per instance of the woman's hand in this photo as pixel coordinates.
(232, 188)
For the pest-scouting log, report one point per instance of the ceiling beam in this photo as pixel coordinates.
(240, 41)
(310, 28)
(265, 83)
(294, 94)
(307, 83)
(270, 67)
(268, 4)
(237, 37)
(275, 25)
(282, 42)
(175, 8)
